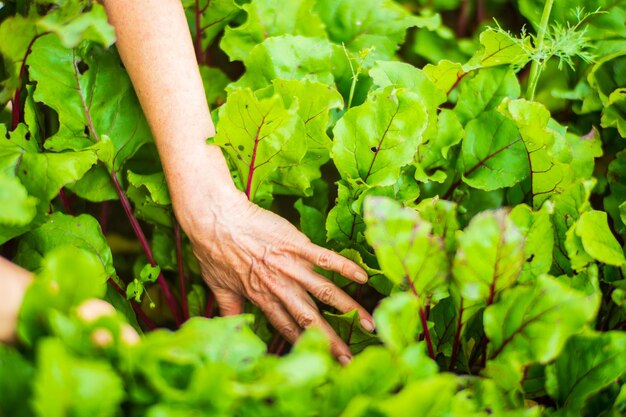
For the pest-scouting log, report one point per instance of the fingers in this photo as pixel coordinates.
(281, 320)
(230, 303)
(329, 294)
(305, 313)
(327, 259)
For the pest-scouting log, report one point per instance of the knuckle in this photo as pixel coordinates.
(304, 320)
(288, 331)
(324, 260)
(326, 294)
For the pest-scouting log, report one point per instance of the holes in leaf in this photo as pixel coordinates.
(27, 136)
(373, 149)
(82, 67)
(86, 130)
(530, 258)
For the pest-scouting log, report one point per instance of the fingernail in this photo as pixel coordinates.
(368, 325)
(344, 359)
(361, 276)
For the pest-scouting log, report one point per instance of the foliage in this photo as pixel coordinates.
(476, 172)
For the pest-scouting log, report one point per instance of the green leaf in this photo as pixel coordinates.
(397, 320)
(536, 227)
(43, 174)
(374, 140)
(214, 16)
(93, 97)
(348, 327)
(71, 24)
(489, 256)
(405, 247)
(593, 229)
(361, 25)
(150, 197)
(445, 75)
(532, 323)
(589, 363)
(614, 112)
(546, 171)
(426, 397)
(315, 101)
(344, 222)
(485, 91)
(500, 49)
(18, 387)
(493, 154)
(215, 82)
(260, 136)
(287, 57)
(68, 275)
(267, 19)
(403, 75)
(312, 222)
(68, 385)
(18, 208)
(61, 230)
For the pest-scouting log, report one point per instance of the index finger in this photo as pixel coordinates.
(329, 260)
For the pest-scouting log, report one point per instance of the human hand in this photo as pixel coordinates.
(246, 251)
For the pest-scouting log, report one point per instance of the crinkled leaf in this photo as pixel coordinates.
(348, 327)
(60, 230)
(546, 171)
(93, 96)
(287, 57)
(260, 136)
(493, 154)
(403, 75)
(267, 18)
(445, 75)
(315, 102)
(71, 24)
(489, 256)
(500, 49)
(485, 91)
(361, 25)
(536, 227)
(43, 174)
(614, 112)
(374, 140)
(532, 323)
(405, 247)
(588, 363)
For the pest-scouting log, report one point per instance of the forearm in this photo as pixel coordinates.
(13, 283)
(154, 42)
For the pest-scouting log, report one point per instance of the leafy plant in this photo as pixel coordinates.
(491, 225)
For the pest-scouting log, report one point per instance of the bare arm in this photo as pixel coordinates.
(243, 250)
(13, 283)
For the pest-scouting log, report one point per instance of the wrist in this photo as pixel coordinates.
(13, 285)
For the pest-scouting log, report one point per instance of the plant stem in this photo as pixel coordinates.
(424, 321)
(208, 312)
(181, 269)
(136, 308)
(171, 301)
(536, 67)
(198, 35)
(66, 202)
(16, 102)
(457, 338)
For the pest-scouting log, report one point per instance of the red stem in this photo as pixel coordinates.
(208, 312)
(171, 301)
(257, 138)
(66, 201)
(136, 308)
(105, 210)
(17, 98)
(457, 338)
(492, 293)
(198, 35)
(181, 269)
(424, 320)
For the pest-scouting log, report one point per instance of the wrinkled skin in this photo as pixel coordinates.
(248, 252)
